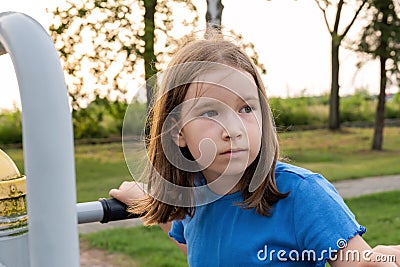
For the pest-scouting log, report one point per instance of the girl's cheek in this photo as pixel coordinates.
(254, 124)
(210, 128)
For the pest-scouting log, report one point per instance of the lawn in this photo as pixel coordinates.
(342, 155)
(380, 214)
(336, 155)
(146, 246)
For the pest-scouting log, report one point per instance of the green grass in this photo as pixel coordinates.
(380, 214)
(342, 155)
(98, 169)
(337, 155)
(147, 246)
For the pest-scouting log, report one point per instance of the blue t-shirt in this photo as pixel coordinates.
(304, 229)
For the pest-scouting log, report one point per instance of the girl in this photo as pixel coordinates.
(215, 184)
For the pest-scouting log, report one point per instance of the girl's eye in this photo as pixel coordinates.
(209, 114)
(246, 109)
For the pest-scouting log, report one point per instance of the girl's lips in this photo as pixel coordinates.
(233, 153)
(233, 150)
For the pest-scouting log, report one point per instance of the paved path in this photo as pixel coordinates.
(365, 186)
(346, 188)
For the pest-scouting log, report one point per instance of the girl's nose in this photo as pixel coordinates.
(233, 129)
(231, 135)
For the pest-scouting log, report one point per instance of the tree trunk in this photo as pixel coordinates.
(334, 114)
(380, 110)
(148, 55)
(214, 14)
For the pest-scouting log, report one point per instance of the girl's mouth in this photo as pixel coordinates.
(233, 152)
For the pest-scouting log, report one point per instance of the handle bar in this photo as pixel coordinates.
(103, 211)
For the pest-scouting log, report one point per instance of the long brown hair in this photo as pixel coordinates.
(213, 49)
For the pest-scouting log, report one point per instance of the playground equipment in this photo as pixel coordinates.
(51, 238)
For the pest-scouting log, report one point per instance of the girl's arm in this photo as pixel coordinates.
(166, 227)
(129, 191)
(359, 253)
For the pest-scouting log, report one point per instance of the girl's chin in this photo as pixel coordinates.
(227, 172)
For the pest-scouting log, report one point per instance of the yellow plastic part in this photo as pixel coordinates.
(8, 169)
(13, 188)
(12, 194)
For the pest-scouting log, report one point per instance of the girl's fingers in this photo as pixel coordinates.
(127, 192)
(114, 193)
(386, 255)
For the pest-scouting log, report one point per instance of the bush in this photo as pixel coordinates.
(135, 119)
(392, 110)
(304, 111)
(104, 118)
(10, 127)
(358, 107)
(100, 119)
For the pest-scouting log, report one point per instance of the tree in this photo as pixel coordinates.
(110, 40)
(380, 39)
(149, 57)
(336, 40)
(214, 21)
(214, 13)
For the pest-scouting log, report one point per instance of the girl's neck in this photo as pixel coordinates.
(222, 185)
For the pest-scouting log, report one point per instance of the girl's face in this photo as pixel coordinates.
(222, 122)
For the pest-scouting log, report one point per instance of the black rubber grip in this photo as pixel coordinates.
(115, 210)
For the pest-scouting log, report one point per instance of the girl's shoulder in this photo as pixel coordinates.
(290, 178)
(287, 169)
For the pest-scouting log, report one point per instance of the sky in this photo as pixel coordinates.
(290, 37)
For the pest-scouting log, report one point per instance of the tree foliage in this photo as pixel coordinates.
(381, 39)
(106, 39)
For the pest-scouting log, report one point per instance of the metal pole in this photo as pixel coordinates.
(47, 141)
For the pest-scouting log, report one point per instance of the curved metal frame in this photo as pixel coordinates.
(47, 141)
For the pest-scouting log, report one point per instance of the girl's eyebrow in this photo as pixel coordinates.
(249, 98)
(200, 105)
(204, 104)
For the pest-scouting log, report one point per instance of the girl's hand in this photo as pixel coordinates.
(383, 256)
(128, 192)
(359, 253)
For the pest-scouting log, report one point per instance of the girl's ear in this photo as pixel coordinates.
(176, 134)
(181, 140)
